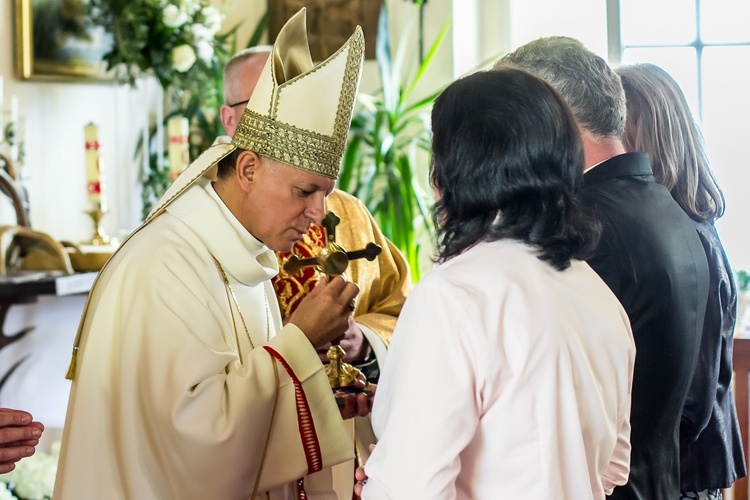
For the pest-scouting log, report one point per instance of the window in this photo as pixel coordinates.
(705, 46)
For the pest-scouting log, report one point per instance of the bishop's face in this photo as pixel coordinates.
(283, 202)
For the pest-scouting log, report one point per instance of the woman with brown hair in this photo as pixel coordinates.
(660, 123)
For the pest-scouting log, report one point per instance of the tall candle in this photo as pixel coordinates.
(178, 129)
(94, 166)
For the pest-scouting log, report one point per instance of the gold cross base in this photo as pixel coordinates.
(340, 374)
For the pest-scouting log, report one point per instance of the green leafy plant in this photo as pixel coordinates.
(742, 278)
(388, 136)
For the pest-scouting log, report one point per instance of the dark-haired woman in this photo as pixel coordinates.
(510, 369)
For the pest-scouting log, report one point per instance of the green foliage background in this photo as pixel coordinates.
(389, 137)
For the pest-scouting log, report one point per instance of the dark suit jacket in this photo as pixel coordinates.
(652, 259)
(710, 441)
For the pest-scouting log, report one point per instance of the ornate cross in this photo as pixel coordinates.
(333, 260)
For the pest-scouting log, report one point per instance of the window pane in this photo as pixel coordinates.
(680, 62)
(726, 106)
(662, 22)
(725, 21)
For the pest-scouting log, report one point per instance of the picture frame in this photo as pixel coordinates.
(56, 41)
(330, 23)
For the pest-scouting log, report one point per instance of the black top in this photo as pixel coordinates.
(652, 259)
(711, 455)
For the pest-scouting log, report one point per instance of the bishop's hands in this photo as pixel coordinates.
(19, 434)
(323, 315)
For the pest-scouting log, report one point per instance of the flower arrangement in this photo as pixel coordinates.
(33, 478)
(176, 40)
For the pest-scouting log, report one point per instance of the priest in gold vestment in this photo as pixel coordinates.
(186, 384)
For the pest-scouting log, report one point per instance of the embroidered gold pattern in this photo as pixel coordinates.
(304, 149)
(288, 144)
(292, 288)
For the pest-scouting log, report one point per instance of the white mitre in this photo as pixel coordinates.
(299, 112)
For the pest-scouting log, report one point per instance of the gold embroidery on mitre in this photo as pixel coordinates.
(304, 149)
(310, 151)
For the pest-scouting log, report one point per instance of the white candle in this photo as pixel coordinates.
(178, 129)
(94, 185)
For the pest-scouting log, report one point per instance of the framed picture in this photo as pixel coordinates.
(55, 40)
(330, 23)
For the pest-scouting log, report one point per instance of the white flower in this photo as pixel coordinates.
(173, 16)
(5, 494)
(212, 18)
(34, 477)
(183, 58)
(190, 6)
(201, 33)
(205, 50)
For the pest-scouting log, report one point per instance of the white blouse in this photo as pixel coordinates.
(505, 379)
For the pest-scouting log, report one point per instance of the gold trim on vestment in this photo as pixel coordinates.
(304, 149)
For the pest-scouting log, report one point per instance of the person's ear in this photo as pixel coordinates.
(246, 170)
(227, 118)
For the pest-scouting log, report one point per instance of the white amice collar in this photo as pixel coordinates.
(240, 253)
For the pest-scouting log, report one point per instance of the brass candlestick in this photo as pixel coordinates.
(100, 237)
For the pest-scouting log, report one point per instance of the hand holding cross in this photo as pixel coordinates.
(333, 260)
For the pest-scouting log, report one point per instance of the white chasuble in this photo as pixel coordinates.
(188, 387)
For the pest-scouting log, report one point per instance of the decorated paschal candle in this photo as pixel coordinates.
(94, 167)
(178, 128)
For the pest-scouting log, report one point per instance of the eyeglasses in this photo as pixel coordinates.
(238, 103)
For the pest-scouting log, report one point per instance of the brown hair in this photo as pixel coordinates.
(660, 123)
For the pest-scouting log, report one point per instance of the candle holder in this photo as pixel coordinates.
(100, 237)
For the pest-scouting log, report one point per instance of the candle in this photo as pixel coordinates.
(178, 128)
(94, 166)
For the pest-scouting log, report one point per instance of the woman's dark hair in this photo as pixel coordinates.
(507, 161)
